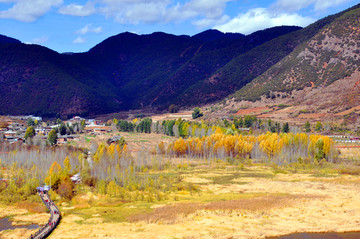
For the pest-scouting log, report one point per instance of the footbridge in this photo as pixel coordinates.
(54, 220)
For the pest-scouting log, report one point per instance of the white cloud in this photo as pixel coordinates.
(78, 10)
(163, 11)
(211, 9)
(86, 29)
(295, 5)
(206, 22)
(83, 30)
(135, 11)
(29, 10)
(261, 18)
(79, 40)
(40, 40)
(97, 30)
(322, 5)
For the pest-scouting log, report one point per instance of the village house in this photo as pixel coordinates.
(93, 122)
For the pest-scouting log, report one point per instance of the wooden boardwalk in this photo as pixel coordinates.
(54, 217)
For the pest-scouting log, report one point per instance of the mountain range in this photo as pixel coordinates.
(130, 71)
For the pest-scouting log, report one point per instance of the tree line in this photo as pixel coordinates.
(284, 148)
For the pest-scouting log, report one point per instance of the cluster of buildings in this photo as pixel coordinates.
(345, 138)
(14, 128)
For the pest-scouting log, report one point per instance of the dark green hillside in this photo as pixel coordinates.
(130, 71)
(135, 64)
(37, 80)
(327, 50)
(156, 69)
(199, 85)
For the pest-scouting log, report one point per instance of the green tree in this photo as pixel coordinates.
(319, 153)
(248, 121)
(168, 126)
(144, 126)
(230, 132)
(197, 113)
(286, 128)
(30, 122)
(173, 108)
(82, 124)
(307, 126)
(52, 137)
(122, 141)
(62, 128)
(241, 122)
(318, 126)
(58, 121)
(30, 132)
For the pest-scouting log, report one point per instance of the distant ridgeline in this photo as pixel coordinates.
(130, 71)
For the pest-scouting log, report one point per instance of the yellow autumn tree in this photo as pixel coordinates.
(328, 144)
(67, 166)
(54, 175)
(270, 144)
(111, 189)
(179, 147)
(161, 147)
(110, 151)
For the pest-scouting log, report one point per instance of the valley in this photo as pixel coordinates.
(158, 135)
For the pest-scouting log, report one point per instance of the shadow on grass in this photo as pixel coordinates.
(170, 214)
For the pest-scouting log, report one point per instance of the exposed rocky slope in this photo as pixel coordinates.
(331, 55)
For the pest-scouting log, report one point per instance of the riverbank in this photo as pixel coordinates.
(20, 217)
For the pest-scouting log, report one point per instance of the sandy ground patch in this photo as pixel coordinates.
(345, 112)
(312, 116)
(250, 111)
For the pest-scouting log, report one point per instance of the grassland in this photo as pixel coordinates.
(216, 200)
(255, 202)
(229, 202)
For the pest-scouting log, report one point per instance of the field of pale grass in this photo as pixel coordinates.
(228, 201)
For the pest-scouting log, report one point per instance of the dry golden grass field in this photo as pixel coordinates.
(254, 201)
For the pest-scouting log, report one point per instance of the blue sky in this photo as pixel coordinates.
(78, 25)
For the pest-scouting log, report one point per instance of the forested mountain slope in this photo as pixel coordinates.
(130, 71)
(126, 71)
(36, 80)
(156, 70)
